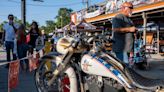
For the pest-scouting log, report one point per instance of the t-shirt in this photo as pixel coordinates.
(33, 37)
(9, 31)
(122, 41)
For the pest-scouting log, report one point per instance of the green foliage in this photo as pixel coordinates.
(1, 25)
(63, 17)
(50, 26)
(0, 28)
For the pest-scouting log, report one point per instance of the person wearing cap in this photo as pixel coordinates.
(123, 32)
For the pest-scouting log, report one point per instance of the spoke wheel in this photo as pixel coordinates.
(45, 72)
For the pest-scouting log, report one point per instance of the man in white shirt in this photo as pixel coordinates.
(9, 36)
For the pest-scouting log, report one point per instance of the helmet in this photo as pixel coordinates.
(63, 44)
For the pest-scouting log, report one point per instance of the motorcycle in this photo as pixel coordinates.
(79, 67)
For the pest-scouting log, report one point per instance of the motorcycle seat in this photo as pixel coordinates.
(143, 82)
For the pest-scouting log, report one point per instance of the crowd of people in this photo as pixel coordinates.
(20, 42)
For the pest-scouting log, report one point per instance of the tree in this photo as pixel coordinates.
(1, 25)
(63, 17)
(50, 26)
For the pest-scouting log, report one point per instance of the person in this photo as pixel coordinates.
(22, 47)
(54, 40)
(34, 34)
(123, 33)
(40, 41)
(9, 36)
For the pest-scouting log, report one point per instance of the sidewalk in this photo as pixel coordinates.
(2, 54)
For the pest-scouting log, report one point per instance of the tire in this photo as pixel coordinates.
(43, 74)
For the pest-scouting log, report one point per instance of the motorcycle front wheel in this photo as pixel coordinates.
(45, 72)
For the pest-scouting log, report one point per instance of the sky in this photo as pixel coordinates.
(39, 11)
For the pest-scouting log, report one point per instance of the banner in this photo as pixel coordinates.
(13, 75)
(34, 61)
(94, 13)
(73, 17)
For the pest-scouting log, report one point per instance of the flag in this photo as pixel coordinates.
(32, 63)
(13, 74)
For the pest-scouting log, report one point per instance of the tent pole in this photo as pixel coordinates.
(144, 25)
(158, 39)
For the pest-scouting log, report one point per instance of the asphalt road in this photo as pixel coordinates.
(26, 79)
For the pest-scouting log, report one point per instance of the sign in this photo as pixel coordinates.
(93, 14)
(13, 74)
(73, 18)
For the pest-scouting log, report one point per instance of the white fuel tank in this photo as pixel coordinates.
(96, 66)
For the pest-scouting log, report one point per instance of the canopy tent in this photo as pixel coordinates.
(65, 28)
(81, 26)
(69, 26)
(84, 25)
(59, 30)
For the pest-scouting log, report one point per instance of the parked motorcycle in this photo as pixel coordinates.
(79, 67)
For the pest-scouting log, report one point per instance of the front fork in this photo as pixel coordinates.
(60, 67)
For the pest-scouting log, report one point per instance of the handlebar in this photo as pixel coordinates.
(86, 40)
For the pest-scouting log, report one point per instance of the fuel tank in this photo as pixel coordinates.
(97, 65)
(100, 65)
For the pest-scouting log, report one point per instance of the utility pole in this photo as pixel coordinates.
(86, 2)
(23, 11)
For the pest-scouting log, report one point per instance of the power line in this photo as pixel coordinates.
(14, 1)
(59, 5)
(56, 5)
(8, 6)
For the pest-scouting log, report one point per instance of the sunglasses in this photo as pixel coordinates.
(129, 7)
(11, 18)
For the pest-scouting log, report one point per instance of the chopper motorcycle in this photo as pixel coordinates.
(79, 67)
